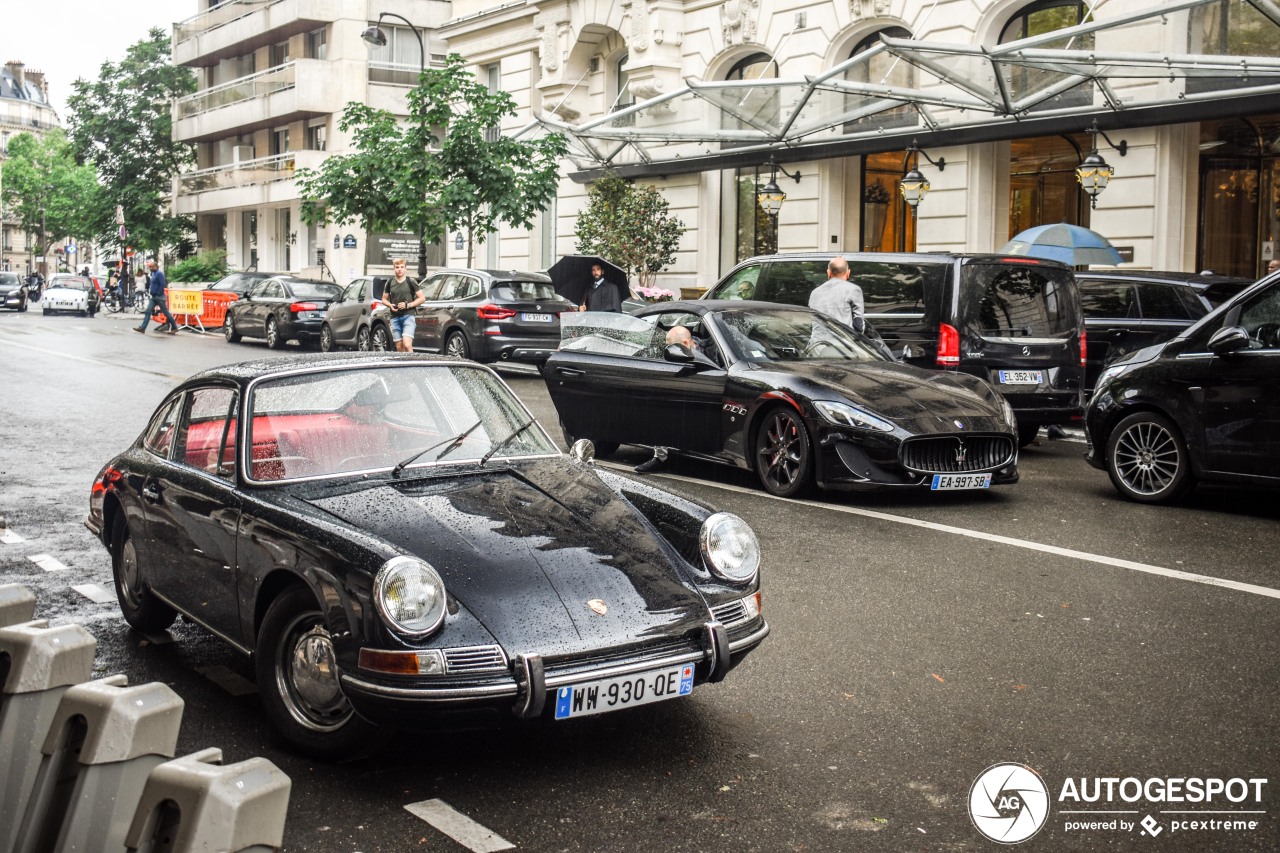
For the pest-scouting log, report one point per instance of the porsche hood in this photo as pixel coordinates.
(535, 569)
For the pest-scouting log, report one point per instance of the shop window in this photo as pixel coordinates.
(888, 224)
(757, 232)
(1239, 217)
(1043, 188)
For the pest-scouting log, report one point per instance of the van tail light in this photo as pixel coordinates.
(303, 306)
(1084, 347)
(948, 346)
(489, 311)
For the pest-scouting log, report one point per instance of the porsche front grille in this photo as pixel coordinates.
(951, 454)
(731, 613)
(475, 659)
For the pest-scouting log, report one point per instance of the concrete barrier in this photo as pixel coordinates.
(37, 666)
(17, 604)
(196, 803)
(104, 741)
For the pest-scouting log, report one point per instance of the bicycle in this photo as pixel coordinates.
(113, 301)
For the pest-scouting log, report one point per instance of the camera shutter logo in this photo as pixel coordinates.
(1008, 803)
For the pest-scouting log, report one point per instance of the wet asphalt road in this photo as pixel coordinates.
(904, 659)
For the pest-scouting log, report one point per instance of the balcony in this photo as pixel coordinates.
(302, 89)
(237, 27)
(252, 183)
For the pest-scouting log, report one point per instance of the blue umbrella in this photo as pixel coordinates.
(1070, 244)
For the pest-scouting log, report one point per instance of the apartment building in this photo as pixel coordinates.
(834, 102)
(273, 78)
(24, 108)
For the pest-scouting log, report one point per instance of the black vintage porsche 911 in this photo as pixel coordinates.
(392, 537)
(781, 390)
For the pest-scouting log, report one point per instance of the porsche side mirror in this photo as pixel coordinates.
(677, 353)
(1229, 339)
(583, 451)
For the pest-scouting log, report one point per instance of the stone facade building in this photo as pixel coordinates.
(24, 108)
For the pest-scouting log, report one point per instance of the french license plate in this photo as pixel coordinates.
(949, 482)
(624, 691)
(536, 318)
(1020, 377)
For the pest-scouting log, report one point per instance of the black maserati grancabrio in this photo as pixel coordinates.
(394, 539)
(783, 391)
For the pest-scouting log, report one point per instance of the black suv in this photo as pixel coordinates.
(1204, 406)
(1013, 321)
(1125, 311)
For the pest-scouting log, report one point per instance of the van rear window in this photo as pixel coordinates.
(1007, 301)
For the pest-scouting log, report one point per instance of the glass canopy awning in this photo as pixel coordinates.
(1165, 64)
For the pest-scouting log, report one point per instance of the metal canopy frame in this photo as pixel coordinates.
(957, 93)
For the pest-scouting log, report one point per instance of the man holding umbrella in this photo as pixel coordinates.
(601, 295)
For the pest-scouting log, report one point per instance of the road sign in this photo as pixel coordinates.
(120, 215)
(123, 232)
(71, 248)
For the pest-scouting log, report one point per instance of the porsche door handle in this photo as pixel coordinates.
(150, 493)
(570, 371)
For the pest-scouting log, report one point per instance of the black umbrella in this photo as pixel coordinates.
(571, 276)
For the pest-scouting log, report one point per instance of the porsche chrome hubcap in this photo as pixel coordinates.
(129, 580)
(308, 677)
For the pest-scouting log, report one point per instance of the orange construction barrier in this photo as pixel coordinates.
(213, 310)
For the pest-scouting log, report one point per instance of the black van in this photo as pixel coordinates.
(1014, 321)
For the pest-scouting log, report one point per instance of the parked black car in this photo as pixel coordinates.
(393, 537)
(1203, 407)
(783, 391)
(358, 318)
(490, 315)
(1013, 321)
(13, 291)
(239, 282)
(1126, 311)
(281, 309)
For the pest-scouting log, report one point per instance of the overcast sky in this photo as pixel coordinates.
(69, 39)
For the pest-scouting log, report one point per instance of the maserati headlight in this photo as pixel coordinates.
(1010, 417)
(842, 414)
(410, 596)
(730, 548)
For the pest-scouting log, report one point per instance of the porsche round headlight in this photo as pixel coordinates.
(410, 596)
(730, 548)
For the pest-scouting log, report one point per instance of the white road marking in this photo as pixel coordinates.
(1208, 580)
(232, 682)
(48, 563)
(8, 537)
(459, 827)
(94, 593)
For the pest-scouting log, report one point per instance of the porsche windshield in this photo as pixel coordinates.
(792, 335)
(340, 421)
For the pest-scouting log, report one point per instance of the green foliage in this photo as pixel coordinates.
(44, 184)
(209, 265)
(444, 168)
(123, 124)
(631, 226)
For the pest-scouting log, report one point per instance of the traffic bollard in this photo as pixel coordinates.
(103, 742)
(195, 803)
(17, 604)
(37, 665)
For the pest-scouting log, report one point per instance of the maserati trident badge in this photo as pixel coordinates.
(961, 452)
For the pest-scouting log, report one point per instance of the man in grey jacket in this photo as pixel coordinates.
(838, 297)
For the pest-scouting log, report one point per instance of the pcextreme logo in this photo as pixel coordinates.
(1009, 803)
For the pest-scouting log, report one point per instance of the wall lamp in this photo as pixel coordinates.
(1094, 173)
(914, 185)
(771, 196)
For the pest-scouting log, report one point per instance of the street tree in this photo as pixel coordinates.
(47, 191)
(123, 124)
(630, 225)
(445, 167)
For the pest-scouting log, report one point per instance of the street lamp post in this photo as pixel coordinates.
(376, 37)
